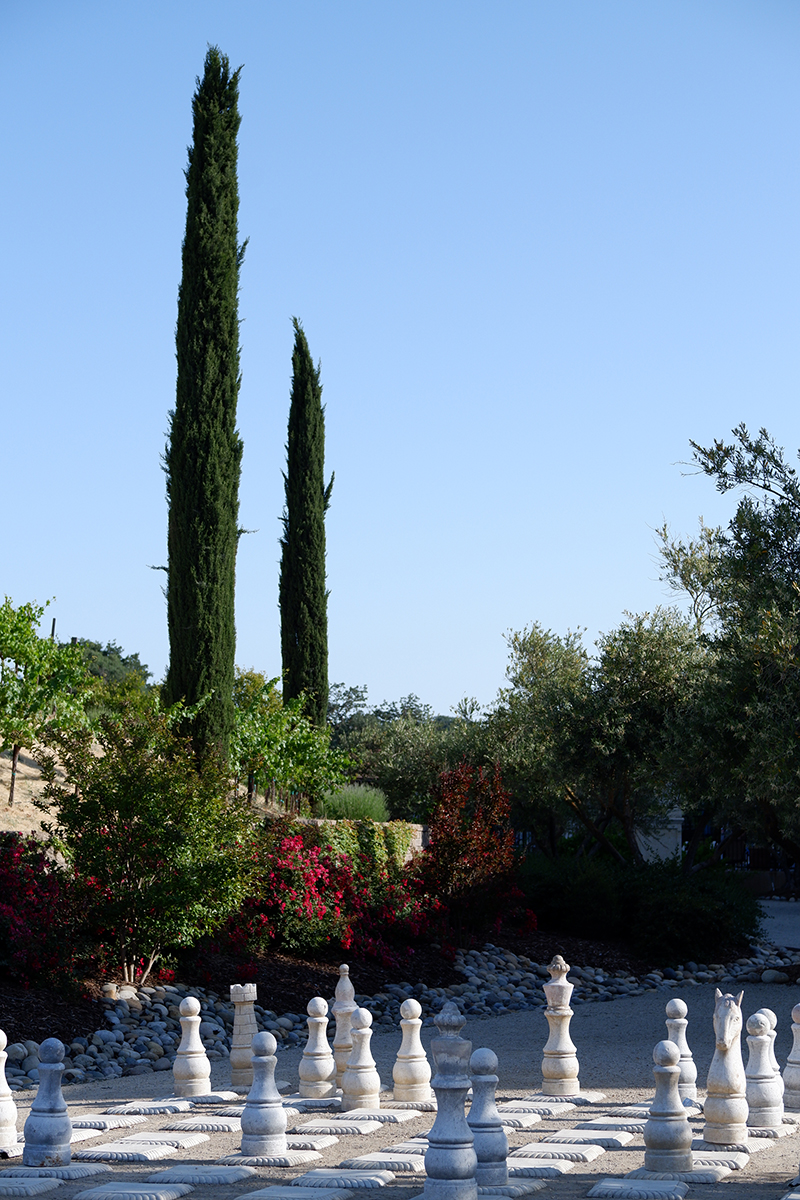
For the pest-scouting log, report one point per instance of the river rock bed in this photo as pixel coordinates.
(141, 1029)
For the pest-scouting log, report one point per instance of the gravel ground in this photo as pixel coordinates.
(614, 1043)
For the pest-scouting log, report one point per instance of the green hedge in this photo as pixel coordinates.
(663, 916)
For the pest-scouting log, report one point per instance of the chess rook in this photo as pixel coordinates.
(8, 1109)
(263, 1116)
(676, 1032)
(245, 1027)
(791, 1072)
(361, 1084)
(667, 1133)
(489, 1137)
(560, 1062)
(725, 1107)
(763, 1090)
(411, 1072)
(450, 1160)
(344, 1005)
(317, 1066)
(48, 1129)
(191, 1070)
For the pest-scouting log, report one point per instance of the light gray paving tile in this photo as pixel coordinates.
(292, 1158)
(585, 1154)
(136, 1191)
(400, 1163)
(326, 1177)
(202, 1173)
(206, 1125)
(122, 1152)
(109, 1122)
(639, 1189)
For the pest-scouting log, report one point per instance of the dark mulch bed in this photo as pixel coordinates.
(286, 982)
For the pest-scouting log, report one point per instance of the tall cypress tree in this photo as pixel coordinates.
(303, 595)
(204, 453)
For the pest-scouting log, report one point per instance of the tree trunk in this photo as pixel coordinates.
(597, 833)
(14, 760)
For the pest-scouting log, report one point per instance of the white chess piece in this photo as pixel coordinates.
(667, 1133)
(411, 1072)
(317, 1066)
(676, 1032)
(490, 1140)
(344, 1006)
(773, 1032)
(450, 1160)
(763, 1091)
(191, 1070)
(245, 1027)
(361, 1084)
(791, 1072)
(725, 1107)
(48, 1129)
(8, 1109)
(263, 1116)
(560, 1062)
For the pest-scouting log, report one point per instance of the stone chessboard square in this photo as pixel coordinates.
(584, 1096)
(397, 1117)
(296, 1141)
(84, 1135)
(644, 1189)
(135, 1191)
(419, 1105)
(109, 1122)
(152, 1109)
(543, 1168)
(231, 1110)
(312, 1102)
(519, 1120)
(326, 1177)
(771, 1131)
(749, 1147)
(28, 1187)
(205, 1173)
(14, 1151)
(122, 1152)
(731, 1160)
(523, 1187)
(543, 1108)
(338, 1129)
(401, 1163)
(73, 1171)
(412, 1146)
(181, 1141)
(585, 1153)
(631, 1125)
(586, 1137)
(292, 1158)
(214, 1098)
(704, 1175)
(281, 1191)
(206, 1125)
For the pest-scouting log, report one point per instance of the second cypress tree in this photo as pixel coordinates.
(303, 592)
(204, 454)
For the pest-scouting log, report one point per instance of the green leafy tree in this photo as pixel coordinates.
(274, 740)
(41, 682)
(166, 849)
(203, 456)
(303, 594)
(110, 664)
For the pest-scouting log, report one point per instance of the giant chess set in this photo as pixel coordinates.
(461, 1141)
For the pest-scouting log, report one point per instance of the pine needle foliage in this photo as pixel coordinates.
(303, 595)
(204, 453)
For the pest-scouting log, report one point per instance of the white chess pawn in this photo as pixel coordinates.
(490, 1140)
(192, 1070)
(560, 1062)
(245, 1027)
(411, 1072)
(764, 1102)
(450, 1160)
(725, 1107)
(263, 1116)
(317, 1066)
(344, 1006)
(48, 1129)
(773, 1032)
(361, 1084)
(8, 1109)
(667, 1133)
(676, 1031)
(791, 1072)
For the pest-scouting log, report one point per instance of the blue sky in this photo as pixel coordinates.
(536, 246)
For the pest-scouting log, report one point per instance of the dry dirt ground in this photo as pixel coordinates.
(23, 815)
